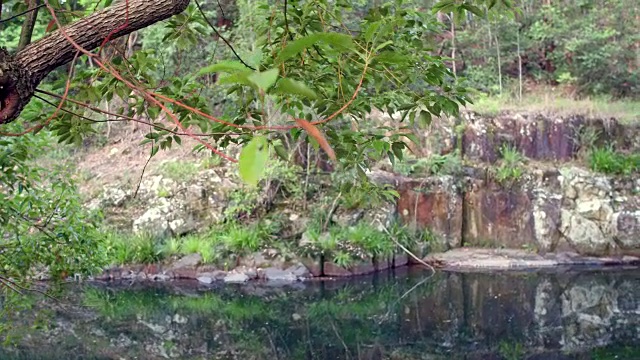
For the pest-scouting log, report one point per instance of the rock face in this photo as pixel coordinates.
(551, 207)
(537, 136)
(435, 203)
(164, 207)
(571, 209)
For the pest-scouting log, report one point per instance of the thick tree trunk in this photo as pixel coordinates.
(21, 74)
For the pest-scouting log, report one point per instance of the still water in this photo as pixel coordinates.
(563, 314)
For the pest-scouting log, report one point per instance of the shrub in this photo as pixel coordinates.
(607, 160)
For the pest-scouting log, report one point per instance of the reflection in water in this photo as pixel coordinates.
(558, 315)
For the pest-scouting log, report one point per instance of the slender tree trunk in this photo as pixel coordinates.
(28, 24)
(453, 44)
(519, 67)
(21, 74)
(499, 64)
(1, 14)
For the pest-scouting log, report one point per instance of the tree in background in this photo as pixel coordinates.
(588, 46)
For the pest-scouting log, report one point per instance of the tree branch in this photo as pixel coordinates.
(222, 37)
(20, 75)
(1, 14)
(29, 23)
(18, 14)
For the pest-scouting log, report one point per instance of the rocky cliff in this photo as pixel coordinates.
(514, 181)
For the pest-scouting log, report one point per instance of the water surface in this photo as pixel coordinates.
(562, 314)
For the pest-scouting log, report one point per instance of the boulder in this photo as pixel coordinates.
(275, 274)
(625, 227)
(584, 235)
(235, 277)
(188, 261)
(205, 279)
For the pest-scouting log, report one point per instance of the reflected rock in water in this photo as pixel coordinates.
(553, 315)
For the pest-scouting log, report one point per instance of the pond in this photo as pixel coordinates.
(407, 314)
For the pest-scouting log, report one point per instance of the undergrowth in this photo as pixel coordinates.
(138, 249)
(511, 165)
(607, 160)
(435, 164)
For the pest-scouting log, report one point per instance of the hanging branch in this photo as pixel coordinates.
(222, 37)
(19, 14)
(286, 21)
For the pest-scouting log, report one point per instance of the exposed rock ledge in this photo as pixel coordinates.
(516, 259)
(457, 259)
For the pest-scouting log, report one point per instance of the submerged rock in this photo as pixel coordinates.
(205, 279)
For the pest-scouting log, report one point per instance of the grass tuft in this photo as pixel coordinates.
(607, 160)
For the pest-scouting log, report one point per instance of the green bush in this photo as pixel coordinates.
(137, 249)
(607, 160)
(510, 168)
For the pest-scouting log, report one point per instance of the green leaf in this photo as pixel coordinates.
(264, 80)
(293, 87)
(383, 45)
(391, 57)
(371, 30)
(223, 66)
(241, 78)
(253, 160)
(424, 119)
(473, 9)
(442, 6)
(282, 152)
(397, 149)
(297, 46)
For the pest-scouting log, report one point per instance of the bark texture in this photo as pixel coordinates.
(21, 74)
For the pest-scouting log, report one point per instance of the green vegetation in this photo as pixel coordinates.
(512, 351)
(43, 223)
(293, 92)
(607, 160)
(582, 49)
(214, 245)
(181, 171)
(616, 352)
(548, 101)
(435, 164)
(211, 162)
(510, 169)
(122, 249)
